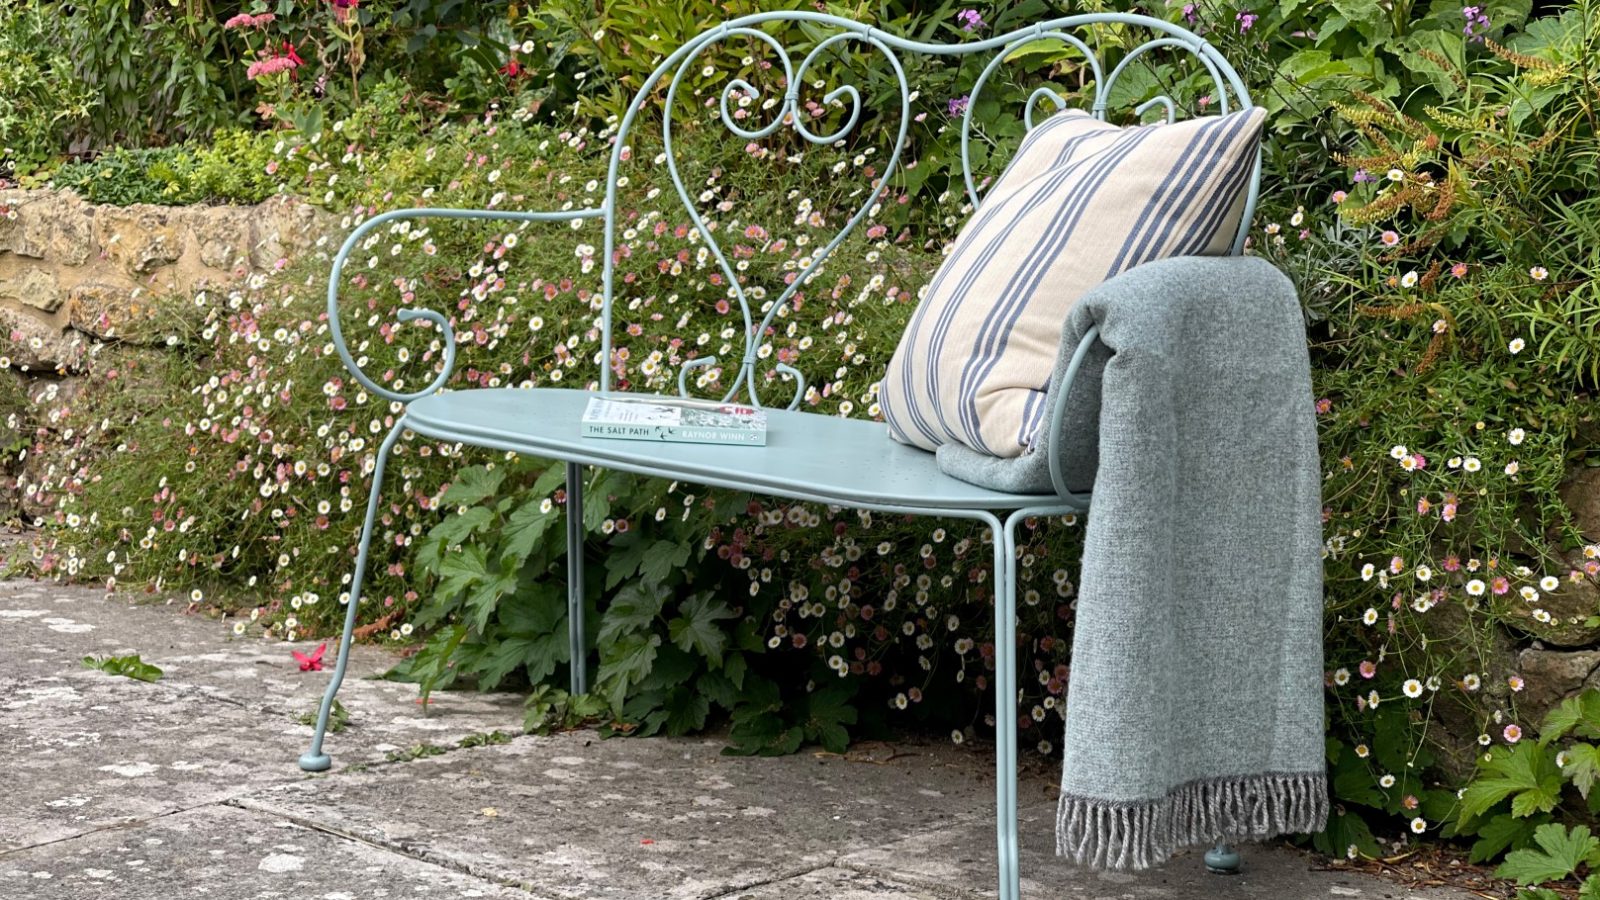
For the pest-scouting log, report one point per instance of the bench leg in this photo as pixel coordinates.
(314, 760)
(579, 679)
(1005, 713)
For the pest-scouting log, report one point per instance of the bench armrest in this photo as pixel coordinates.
(1058, 414)
(407, 315)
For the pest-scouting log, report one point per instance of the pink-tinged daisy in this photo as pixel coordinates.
(1500, 585)
(1390, 238)
(1512, 733)
(1368, 668)
(1339, 196)
(1459, 270)
(1516, 683)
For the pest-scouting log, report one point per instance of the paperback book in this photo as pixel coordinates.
(674, 419)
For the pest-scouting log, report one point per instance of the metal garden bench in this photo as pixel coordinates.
(845, 462)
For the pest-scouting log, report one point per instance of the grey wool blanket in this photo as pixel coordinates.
(1194, 707)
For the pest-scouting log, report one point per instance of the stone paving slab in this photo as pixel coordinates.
(576, 816)
(94, 749)
(188, 788)
(228, 854)
(962, 857)
(833, 884)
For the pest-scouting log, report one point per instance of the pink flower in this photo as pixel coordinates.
(1500, 585)
(1368, 668)
(1323, 405)
(1512, 733)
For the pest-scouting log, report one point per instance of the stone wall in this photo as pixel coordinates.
(76, 276)
(72, 272)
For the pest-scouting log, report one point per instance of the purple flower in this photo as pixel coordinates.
(1189, 14)
(1246, 19)
(970, 20)
(958, 105)
(1362, 176)
(1477, 22)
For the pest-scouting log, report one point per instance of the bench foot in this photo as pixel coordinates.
(1222, 859)
(314, 760)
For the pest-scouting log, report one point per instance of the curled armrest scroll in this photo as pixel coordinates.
(1058, 414)
(438, 319)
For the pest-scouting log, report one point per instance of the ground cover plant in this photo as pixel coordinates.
(1430, 188)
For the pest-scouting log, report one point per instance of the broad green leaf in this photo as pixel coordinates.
(623, 559)
(456, 529)
(523, 529)
(1580, 714)
(461, 570)
(695, 627)
(662, 558)
(1346, 830)
(1501, 833)
(126, 666)
(1583, 766)
(472, 484)
(633, 609)
(485, 596)
(1559, 854)
(1526, 773)
(1590, 889)
(686, 711)
(534, 609)
(627, 662)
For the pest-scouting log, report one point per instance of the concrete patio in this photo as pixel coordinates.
(188, 787)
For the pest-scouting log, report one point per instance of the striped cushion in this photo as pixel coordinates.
(1080, 202)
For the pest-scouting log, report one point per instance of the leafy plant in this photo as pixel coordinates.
(338, 717)
(126, 666)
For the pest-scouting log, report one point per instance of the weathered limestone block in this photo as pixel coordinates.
(36, 346)
(1553, 676)
(284, 226)
(71, 240)
(45, 225)
(1581, 493)
(97, 308)
(224, 235)
(1458, 714)
(139, 238)
(1570, 606)
(33, 286)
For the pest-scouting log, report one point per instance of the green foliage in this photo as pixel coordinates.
(415, 752)
(1560, 853)
(38, 98)
(231, 167)
(127, 666)
(338, 717)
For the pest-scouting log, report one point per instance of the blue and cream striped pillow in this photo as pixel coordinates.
(1080, 202)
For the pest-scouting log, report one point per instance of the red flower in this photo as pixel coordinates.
(312, 663)
(511, 69)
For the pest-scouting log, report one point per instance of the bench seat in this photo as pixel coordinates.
(849, 462)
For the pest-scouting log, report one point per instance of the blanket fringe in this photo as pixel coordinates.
(1112, 835)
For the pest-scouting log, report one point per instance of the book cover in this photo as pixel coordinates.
(675, 420)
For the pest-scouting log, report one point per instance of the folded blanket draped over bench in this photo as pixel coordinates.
(1194, 709)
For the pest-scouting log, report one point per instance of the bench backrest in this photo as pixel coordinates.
(1229, 94)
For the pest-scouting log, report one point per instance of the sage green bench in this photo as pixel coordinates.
(815, 458)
